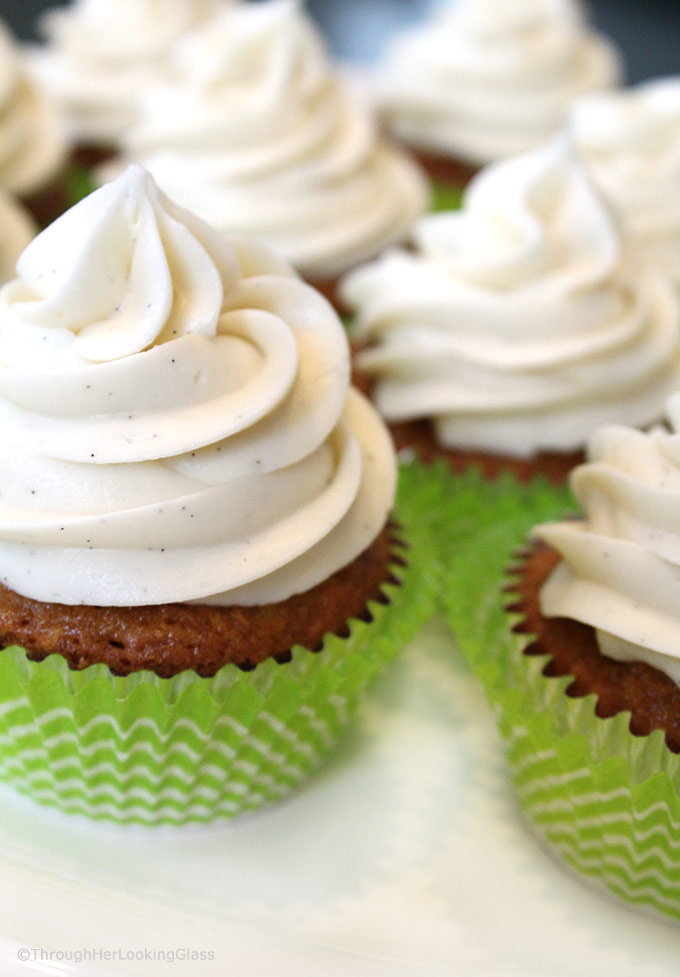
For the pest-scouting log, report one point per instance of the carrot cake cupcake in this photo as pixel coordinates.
(260, 136)
(514, 328)
(593, 717)
(199, 576)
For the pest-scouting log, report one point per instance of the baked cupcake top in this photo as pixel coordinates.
(490, 78)
(32, 137)
(513, 324)
(620, 565)
(177, 418)
(101, 55)
(259, 135)
(631, 143)
(17, 230)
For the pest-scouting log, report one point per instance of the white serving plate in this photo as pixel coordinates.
(406, 856)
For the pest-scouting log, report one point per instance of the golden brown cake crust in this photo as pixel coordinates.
(170, 638)
(419, 436)
(650, 695)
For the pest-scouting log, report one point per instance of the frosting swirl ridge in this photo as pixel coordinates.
(259, 135)
(488, 79)
(513, 326)
(177, 416)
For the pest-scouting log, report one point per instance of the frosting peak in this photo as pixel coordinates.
(533, 218)
(630, 141)
(258, 134)
(177, 420)
(513, 324)
(488, 79)
(110, 269)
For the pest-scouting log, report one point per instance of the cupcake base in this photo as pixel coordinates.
(150, 750)
(171, 638)
(603, 798)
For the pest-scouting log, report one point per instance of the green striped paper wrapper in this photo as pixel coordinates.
(444, 196)
(606, 801)
(148, 750)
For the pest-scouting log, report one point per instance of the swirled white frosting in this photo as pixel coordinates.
(260, 136)
(17, 230)
(176, 415)
(491, 78)
(620, 568)
(102, 55)
(513, 326)
(32, 136)
(631, 143)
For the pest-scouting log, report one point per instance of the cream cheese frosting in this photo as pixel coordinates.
(102, 55)
(490, 78)
(631, 143)
(260, 136)
(32, 136)
(176, 414)
(17, 230)
(513, 324)
(620, 568)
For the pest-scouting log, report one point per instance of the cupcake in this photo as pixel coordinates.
(199, 574)
(487, 79)
(259, 135)
(630, 141)
(100, 56)
(591, 707)
(32, 137)
(513, 328)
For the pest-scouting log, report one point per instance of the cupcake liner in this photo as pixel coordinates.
(445, 196)
(606, 801)
(148, 750)
(480, 521)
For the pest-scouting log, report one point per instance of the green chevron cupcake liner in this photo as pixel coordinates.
(478, 522)
(606, 801)
(148, 750)
(444, 196)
